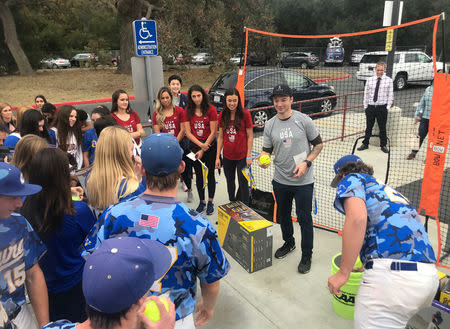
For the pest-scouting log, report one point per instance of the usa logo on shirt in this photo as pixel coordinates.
(149, 221)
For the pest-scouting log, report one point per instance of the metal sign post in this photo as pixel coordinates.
(146, 44)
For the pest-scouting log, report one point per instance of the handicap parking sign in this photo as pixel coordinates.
(145, 38)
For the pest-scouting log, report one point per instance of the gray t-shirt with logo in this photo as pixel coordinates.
(290, 141)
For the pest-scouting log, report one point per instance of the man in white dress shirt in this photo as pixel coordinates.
(378, 97)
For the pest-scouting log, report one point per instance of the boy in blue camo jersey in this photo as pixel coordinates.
(381, 225)
(158, 215)
(20, 250)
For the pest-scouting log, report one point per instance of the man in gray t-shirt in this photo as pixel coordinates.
(288, 135)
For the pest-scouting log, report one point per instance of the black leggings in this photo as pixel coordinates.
(229, 168)
(209, 159)
(187, 173)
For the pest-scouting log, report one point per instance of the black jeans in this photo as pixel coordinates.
(209, 159)
(378, 112)
(69, 305)
(284, 195)
(423, 132)
(229, 168)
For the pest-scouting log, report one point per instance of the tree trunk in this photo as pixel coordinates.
(129, 11)
(11, 39)
(126, 46)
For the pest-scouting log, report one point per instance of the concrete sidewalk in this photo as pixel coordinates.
(279, 296)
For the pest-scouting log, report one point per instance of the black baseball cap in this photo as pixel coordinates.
(282, 90)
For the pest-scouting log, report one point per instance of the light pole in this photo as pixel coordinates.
(394, 9)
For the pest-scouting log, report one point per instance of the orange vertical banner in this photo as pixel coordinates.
(240, 84)
(438, 136)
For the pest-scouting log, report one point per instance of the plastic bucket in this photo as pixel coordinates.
(344, 305)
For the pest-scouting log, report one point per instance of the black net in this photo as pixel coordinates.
(328, 77)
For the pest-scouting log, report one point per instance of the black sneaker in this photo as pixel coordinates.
(210, 208)
(285, 249)
(201, 207)
(305, 265)
(384, 149)
(363, 147)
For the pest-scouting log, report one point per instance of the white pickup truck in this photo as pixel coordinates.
(409, 67)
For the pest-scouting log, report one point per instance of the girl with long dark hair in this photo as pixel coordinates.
(62, 224)
(31, 122)
(125, 116)
(68, 133)
(200, 122)
(39, 101)
(236, 140)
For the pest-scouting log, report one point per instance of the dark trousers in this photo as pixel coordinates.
(229, 168)
(378, 112)
(423, 132)
(69, 305)
(209, 159)
(284, 194)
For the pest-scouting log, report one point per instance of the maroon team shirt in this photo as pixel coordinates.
(130, 124)
(235, 142)
(172, 123)
(200, 125)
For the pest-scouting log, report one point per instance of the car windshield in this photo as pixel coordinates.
(225, 81)
(373, 59)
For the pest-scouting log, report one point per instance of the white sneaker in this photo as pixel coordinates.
(190, 197)
(184, 187)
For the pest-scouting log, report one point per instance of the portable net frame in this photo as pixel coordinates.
(332, 93)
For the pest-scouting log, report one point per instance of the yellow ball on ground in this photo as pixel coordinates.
(264, 159)
(152, 310)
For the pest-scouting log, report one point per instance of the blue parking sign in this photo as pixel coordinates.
(145, 38)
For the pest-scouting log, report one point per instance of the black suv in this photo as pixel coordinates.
(258, 90)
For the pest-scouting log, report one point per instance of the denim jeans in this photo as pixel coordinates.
(302, 194)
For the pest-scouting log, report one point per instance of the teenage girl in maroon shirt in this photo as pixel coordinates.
(125, 116)
(200, 123)
(236, 139)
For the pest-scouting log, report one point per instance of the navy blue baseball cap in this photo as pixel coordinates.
(121, 271)
(342, 162)
(161, 154)
(12, 182)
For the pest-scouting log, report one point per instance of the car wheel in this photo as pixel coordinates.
(326, 105)
(304, 65)
(259, 118)
(400, 82)
(54, 66)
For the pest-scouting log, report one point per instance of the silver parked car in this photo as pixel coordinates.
(202, 59)
(55, 63)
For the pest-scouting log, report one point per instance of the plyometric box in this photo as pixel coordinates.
(245, 236)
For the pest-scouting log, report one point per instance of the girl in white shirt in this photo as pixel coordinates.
(68, 133)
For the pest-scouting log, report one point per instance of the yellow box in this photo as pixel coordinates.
(245, 235)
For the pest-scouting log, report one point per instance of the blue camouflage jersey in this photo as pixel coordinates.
(191, 239)
(62, 324)
(20, 249)
(394, 229)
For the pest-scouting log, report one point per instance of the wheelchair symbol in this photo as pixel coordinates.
(144, 33)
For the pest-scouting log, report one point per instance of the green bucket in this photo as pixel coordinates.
(344, 305)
